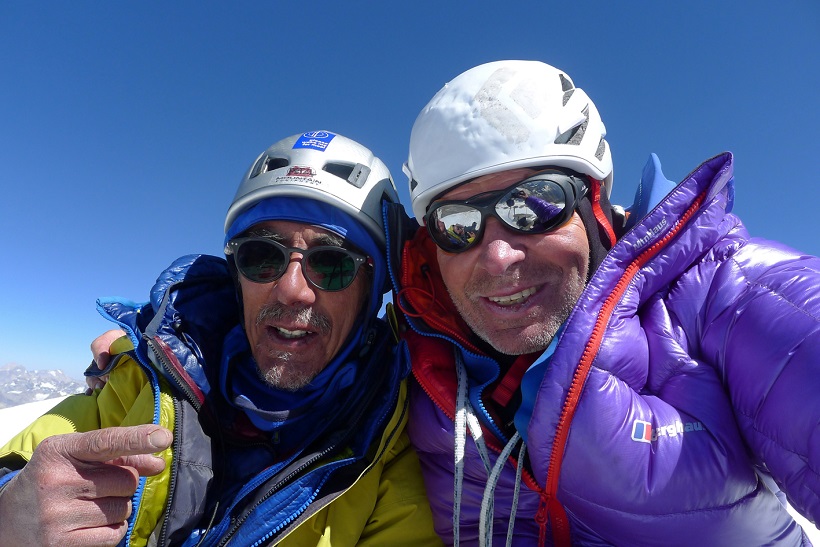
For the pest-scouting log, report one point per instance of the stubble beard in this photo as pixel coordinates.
(283, 376)
(281, 372)
(528, 341)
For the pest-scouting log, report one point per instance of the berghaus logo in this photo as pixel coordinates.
(645, 432)
(642, 431)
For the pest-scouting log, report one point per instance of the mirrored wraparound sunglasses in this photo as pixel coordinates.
(263, 260)
(535, 205)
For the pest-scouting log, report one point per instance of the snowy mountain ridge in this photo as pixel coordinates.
(19, 385)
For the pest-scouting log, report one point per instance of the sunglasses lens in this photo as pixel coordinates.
(263, 260)
(330, 269)
(533, 206)
(454, 226)
(260, 261)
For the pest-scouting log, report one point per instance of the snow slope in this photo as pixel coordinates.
(15, 418)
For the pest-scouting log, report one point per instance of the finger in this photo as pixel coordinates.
(100, 347)
(58, 512)
(145, 465)
(113, 510)
(104, 480)
(92, 513)
(116, 479)
(100, 535)
(93, 382)
(112, 442)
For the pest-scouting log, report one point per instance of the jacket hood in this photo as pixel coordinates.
(192, 307)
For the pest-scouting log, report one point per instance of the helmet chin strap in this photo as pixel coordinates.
(598, 224)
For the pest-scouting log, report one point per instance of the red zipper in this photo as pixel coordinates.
(554, 510)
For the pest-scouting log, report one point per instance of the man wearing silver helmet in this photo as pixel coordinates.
(271, 373)
(588, 374)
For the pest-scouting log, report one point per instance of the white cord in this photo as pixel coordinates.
(465, 416)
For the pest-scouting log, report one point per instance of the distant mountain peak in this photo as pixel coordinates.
(19, 385)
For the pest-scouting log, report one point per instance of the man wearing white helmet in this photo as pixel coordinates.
(272, 371)
(586, 374)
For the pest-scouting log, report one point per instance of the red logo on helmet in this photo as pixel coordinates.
(297, 171)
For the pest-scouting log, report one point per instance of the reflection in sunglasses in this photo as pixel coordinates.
(536, 205)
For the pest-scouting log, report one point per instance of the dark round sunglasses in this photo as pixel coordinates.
(263, 260)
(535, 205)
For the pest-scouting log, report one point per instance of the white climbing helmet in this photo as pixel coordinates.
(499, 116)
(324, 166)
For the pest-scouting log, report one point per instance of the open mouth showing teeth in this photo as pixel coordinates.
(512, 299)
(285, 333)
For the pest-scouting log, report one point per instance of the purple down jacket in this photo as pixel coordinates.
(686, 378)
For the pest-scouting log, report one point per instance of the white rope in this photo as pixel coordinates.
(485, 523)
(522, 452)
(465, 416)
(472, 419)
(460, 442)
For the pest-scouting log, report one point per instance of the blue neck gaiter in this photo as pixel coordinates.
(293, 418)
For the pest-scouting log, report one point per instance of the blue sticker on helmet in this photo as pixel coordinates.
(318, 140)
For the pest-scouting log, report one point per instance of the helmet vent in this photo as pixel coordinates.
(275, 163)
(339, 169)
(566, 84)
(599, 153)
(266, 164)
(567, 95)
(576, 134)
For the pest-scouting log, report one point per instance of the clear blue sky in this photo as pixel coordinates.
(125, 127)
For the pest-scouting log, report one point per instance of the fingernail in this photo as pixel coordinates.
(160, 438)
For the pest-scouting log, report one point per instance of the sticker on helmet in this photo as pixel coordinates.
(298, 171)
(318, 140)
(299, 175)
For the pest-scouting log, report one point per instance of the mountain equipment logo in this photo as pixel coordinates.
(301, 175)
(297, 171)
(643, 432)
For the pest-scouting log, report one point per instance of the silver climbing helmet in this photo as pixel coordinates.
(322, 166)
